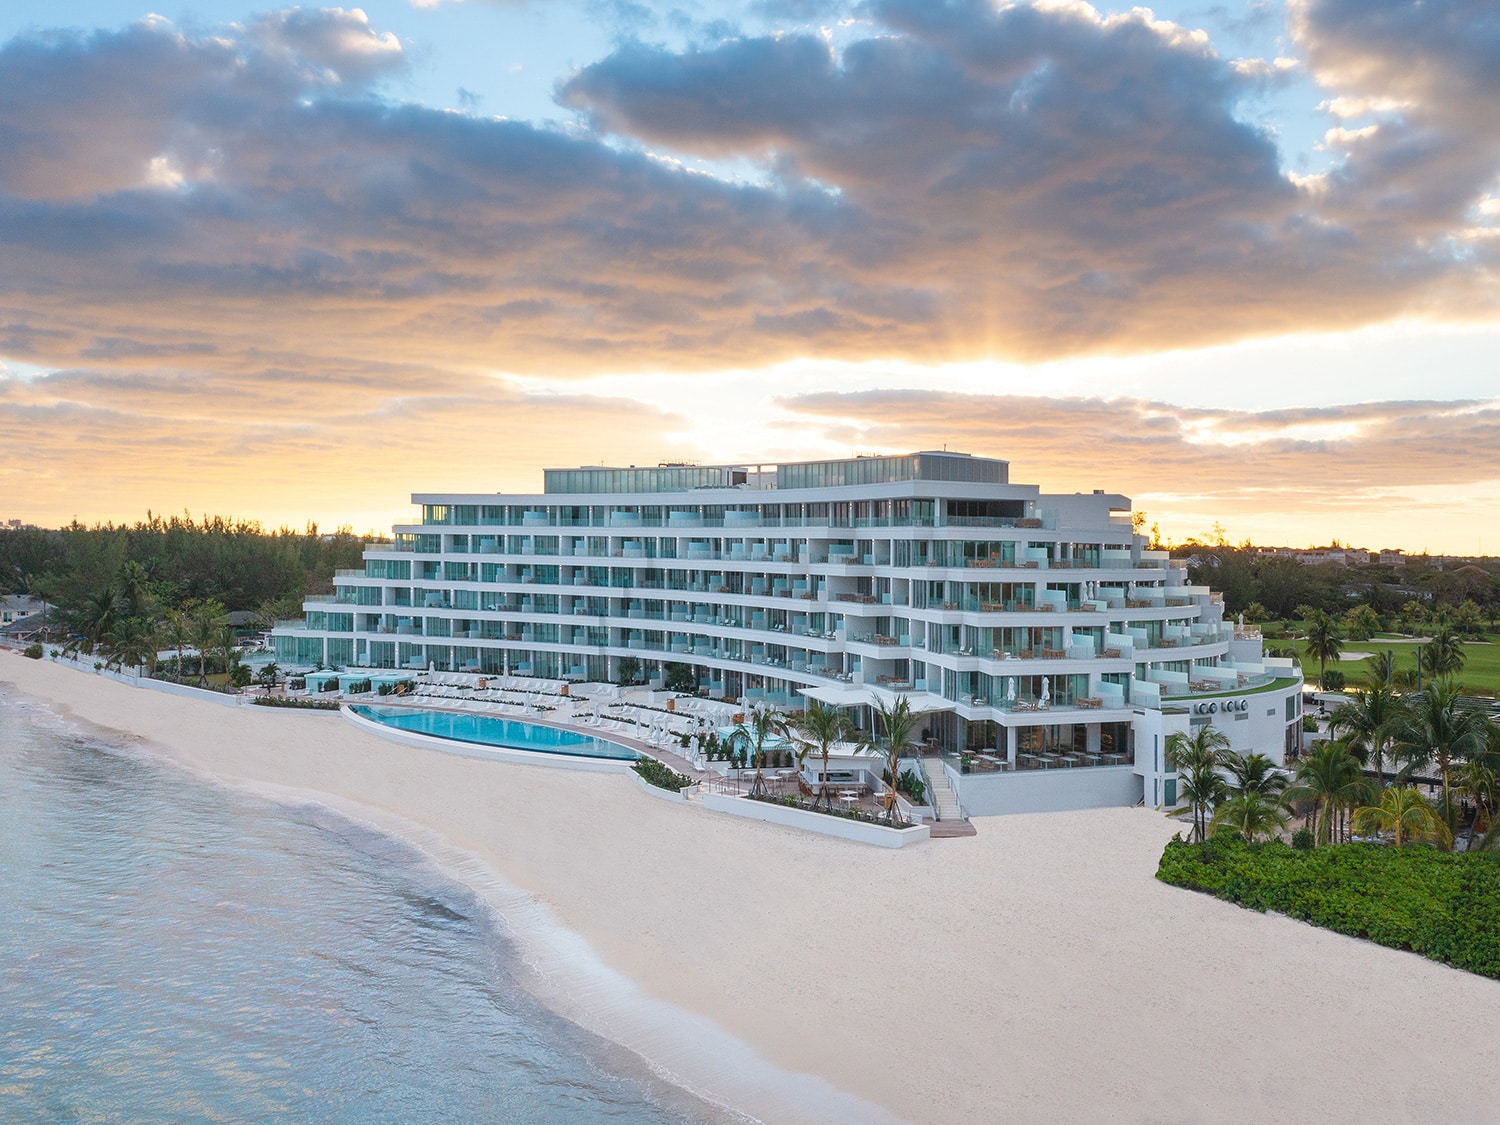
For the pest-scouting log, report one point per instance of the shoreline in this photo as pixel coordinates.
(1033, 972)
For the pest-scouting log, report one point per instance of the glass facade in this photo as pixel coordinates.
(889, 470)
(662, 478)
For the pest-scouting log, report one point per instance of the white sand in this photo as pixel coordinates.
(1034, 973)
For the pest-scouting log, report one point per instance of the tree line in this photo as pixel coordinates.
(127, 592)
(1414, 732)
(1273, 587)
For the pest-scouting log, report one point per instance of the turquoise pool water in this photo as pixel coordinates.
(487, 730)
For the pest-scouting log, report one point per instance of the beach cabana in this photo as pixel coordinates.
(319, 681)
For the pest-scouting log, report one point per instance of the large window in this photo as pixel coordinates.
(661, 478)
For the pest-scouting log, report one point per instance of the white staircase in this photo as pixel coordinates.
(944, 801)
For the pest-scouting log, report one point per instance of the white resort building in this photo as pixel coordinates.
(1034, 631)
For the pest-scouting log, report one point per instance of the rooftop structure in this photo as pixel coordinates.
(1050, 650)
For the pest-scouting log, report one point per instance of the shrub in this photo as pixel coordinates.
(1443, 905)
(1302, 839)
(661, 776)
(295, 704)
(1309, 724)
(33, 651)
(1333, 680)
(913, 786)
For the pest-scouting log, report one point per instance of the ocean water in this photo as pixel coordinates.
(171, 950)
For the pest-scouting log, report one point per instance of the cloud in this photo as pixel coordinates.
(1050, 179)
(961, 181)
(87, 115)
(1152, 447)
(1429, 76)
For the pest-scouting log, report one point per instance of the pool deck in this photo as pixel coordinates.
(422, 702)
(588, 716)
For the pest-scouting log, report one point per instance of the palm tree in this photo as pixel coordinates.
(1251, 813)
(1324, 640)
(1381, 668)
(819, 730)
(1413, 613)
(900, 724)
(176, 631)
(204, 624)
(1443, 655)
(1407, 813)
(1437, 730)
(97, 616)
(1477, 779)
(764, 726)
(1252, 773)
(1331, 777)
(131, 641)
(1360, 622)
(134, 586)
(228, 647)
(1196, 757)
(1468, 616)
(1369, 722)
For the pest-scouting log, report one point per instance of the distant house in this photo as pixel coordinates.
(1393, 557)
(16, 610)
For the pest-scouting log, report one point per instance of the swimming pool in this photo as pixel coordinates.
(485, 730)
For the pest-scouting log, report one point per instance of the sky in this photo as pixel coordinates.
(1235, 260)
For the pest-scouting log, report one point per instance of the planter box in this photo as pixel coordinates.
(677, 796)
(859, 831)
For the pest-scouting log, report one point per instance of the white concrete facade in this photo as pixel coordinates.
(1037, 631)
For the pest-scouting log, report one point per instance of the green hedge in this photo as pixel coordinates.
(661, 776)
(295, 704)
(1443, 905)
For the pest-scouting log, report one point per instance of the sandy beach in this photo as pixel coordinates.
(1036, 972)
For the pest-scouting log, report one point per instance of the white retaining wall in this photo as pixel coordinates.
(183, 690)
(859, 831)
(1028, 791)
(673, 795)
